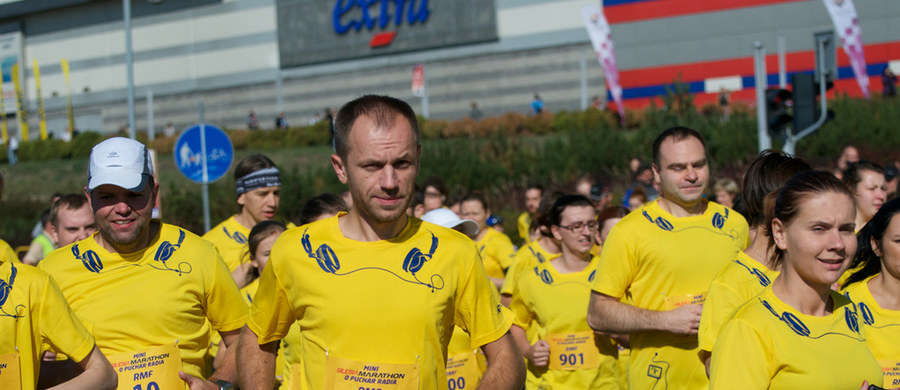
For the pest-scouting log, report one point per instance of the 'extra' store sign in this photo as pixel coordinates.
(367, 14)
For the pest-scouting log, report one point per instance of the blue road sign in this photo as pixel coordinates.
(189, 153)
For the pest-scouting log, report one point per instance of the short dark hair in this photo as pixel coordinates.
(258, 233)
(476, 196)
(71, 201)
(325, 203)
(541, 220)
(535, 186)
(853, 175)
(437, 183)
(678, 133)
(795, 193)
(381, 109)
(767, 173)
(251, 164)
(555, 215)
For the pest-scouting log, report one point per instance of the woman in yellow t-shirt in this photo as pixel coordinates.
(874, 288)
(568, 354)
(798, 333)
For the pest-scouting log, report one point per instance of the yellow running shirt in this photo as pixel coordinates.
(32, 311)
(171, 290)
(523, 223)
(526, 258)
(230, 239)
(655, 261)
(497, 252)
(376, 311)
(882, 328)
(766, 344)
(558, 303)
(741, 279)
(7, 253)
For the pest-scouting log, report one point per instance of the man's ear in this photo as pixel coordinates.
(339, 168)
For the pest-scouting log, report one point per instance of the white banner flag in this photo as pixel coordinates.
(418, 80)
(843, 14)
(601, 38)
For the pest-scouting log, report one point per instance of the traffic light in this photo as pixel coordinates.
(776, 111)
(806, 104)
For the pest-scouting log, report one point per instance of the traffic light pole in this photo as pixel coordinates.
(759, 63)
(790, 143)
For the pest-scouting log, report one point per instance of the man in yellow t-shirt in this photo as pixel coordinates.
(258, 194)
(32, 312)
(661, 259)
(532, 201)
(496, 248)
(142, 286)
(376, 293)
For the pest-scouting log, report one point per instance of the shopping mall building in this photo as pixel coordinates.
(302, 56)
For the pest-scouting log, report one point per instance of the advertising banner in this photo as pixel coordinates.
(418, 80)
(10, 54)
(601, 38)
(21, 111)
(843, 15)
(42, 118)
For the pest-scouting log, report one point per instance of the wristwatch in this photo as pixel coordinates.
(223, 384)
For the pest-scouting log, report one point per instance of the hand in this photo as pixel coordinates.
(49, 356)
(684, 320)
(195, 383)
(539, 353)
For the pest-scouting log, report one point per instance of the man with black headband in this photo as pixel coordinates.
(258, 192)
(150, 292)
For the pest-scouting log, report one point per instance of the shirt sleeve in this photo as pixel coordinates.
(720, 301)
(271, 314)
(741, 358)
(521, 310)
(512, 275)
(478, 308)
(617, 264)
(225, 308)
(60, 328)
(505, 251)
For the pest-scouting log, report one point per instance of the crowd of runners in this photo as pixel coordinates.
(792, 281)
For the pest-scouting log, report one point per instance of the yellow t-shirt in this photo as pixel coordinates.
(579, 358)
(766, 344)
(465, 362)
(524, 225)
(389, 304)
(7, 252)
(174, 289)
(656, 261)
(230, 239)
(741, 279)
(282, 368)
(33, 311)
(526, 258)
(882, 327)
(497, 251)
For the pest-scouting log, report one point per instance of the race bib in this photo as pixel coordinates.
(345, 374)
(151, 369)
(891, 371)
(9, 371)
(464, 370)
(573, 351)
(676, 301)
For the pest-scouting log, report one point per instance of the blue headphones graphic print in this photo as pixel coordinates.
(6, 290)
(415, 259)
(91, 260)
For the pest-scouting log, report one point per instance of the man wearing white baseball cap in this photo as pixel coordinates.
(449, 219)
(148, 291)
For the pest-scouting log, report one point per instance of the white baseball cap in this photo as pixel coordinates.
(122, 162)
(448, 219)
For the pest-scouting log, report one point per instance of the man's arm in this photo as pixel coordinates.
(226, 370)
(98, 374)
(505, 367)
(606, 314)
(256, 362)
